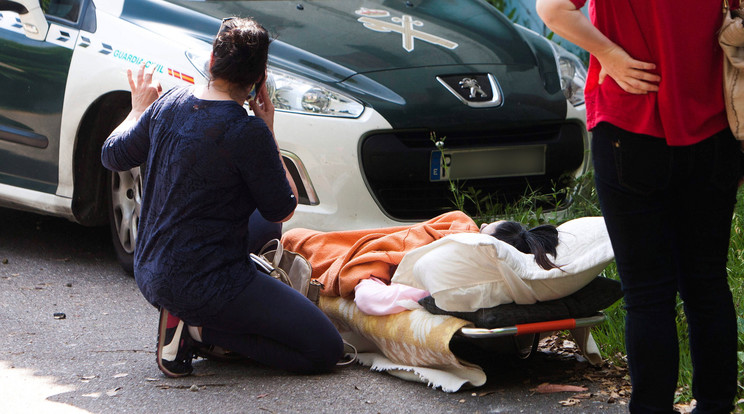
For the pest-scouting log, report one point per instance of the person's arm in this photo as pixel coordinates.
(264, 109)
(563, 18)
(126, 147)
(145, 91)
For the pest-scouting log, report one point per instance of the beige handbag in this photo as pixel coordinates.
(731, 39)
(294, 270)
(289, 267)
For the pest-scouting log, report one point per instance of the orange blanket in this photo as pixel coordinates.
(342, 259)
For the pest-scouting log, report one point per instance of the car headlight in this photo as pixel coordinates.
(200, 60)
(292, 93)
(572, 73)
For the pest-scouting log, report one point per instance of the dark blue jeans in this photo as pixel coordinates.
(274, 324)
(668, 212)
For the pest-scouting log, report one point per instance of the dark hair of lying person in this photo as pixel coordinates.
(540, 241)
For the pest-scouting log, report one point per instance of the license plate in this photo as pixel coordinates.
(487, 163)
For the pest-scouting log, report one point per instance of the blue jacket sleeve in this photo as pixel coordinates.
(128, 149)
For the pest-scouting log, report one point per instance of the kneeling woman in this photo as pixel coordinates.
(211, 169)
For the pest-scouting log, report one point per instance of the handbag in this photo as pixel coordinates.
(288, 267)
(731, 39)
(294, 270)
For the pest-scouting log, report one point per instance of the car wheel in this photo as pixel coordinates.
(125, 202)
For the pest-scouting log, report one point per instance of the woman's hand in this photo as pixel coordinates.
(262, 107)
(631, 75)
(145, 90)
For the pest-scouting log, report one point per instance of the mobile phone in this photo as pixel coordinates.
(252, 93)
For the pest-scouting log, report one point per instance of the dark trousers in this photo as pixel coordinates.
(668, 212)
(274, 324)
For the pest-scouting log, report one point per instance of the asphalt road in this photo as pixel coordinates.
(100, 358)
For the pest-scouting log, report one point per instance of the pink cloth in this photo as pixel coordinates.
(373, 297)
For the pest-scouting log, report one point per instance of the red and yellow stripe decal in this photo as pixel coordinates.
(184, 77)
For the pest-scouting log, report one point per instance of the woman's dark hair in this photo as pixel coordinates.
(540, 241)
(240, 52)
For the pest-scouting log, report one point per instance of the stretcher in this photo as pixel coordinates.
(525, 338)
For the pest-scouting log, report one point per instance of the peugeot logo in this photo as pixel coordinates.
(474, 87)
(476, 90)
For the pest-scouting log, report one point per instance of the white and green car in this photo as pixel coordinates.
(360, 88)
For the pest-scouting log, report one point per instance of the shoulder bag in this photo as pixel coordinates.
(731, 39)
(289, 267)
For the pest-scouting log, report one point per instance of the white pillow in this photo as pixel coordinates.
(468, 271)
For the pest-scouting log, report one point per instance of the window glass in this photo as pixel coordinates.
(64, 9)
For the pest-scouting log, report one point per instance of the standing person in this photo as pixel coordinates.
(666, 171)
(212, 174)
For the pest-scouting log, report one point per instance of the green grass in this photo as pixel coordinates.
(610, 335)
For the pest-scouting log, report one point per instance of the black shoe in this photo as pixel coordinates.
(173, 353)
(216, 353)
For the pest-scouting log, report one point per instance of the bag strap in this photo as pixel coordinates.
(278, 250)
(270, 269)
(349, 357)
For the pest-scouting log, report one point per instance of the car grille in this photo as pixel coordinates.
(396, 168)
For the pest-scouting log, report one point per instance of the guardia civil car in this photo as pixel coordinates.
(362, 88)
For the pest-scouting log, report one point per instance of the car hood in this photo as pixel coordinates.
(357, 36)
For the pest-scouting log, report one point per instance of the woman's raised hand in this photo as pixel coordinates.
(262, 106)
(145, 90)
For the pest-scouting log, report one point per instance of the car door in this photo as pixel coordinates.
(33, 75)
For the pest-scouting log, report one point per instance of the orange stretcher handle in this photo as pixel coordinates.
(537, 327)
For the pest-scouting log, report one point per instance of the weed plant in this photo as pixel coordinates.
(582, 201)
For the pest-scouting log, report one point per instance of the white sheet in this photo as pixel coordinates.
(469, 271)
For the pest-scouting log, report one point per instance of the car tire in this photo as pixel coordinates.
(124, 194)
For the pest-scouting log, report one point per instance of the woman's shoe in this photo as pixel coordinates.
(216, 353)
(173, 353)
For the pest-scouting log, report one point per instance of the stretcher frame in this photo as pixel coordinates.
(519, 332)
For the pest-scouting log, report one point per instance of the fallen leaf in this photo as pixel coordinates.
(583, 396)
(92, 395)
(569, 402)
(194, 388)
(262, 395)
(546, 388)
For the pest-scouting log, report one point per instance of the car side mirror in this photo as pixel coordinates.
(35, 24)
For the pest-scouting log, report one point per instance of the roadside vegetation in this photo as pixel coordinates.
(583, 202)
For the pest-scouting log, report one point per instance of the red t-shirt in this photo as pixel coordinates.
(679, 36)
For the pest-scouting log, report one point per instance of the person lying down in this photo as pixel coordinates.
(464, 268)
